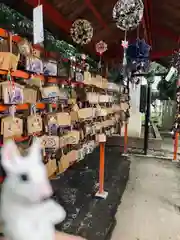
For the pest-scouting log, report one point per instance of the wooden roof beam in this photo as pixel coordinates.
(96, 14)
(150, 14)
(51, 13)
(154, 55)
(161, 31)
(57, 19)
(147, 22)
(161, 54)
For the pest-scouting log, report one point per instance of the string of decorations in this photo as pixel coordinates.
(81, 31)
(127, 15)
(101, 47)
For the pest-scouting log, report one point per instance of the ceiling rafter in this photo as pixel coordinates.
(51, 13)
(161, 54)
(161, 31)
(154, 55)
(57, 19)
(149, 10)
(96, 14)
(147, 22)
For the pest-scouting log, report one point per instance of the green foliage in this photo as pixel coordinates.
(158, 68)
(167, 90)
(16, 22)
(115, 75)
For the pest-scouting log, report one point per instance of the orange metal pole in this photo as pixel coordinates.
(125, 137)
(176, 146)
(101, 168)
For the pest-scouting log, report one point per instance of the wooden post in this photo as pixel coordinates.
(101, 168)
(101, 138)
(125, 138)
(147, 118)
(175, 146)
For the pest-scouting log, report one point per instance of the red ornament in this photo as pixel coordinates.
(101, 47)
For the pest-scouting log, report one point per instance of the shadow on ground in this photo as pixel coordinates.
(87, 216)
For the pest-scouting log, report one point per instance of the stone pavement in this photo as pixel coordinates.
(150, 207)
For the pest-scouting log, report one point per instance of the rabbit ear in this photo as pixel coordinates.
(10, 156)
(35, 150)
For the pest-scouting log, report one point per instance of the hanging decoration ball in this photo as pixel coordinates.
(81, 31)
(128, 14)
(101, 47)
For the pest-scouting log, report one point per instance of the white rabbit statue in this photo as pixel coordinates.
(27, 211)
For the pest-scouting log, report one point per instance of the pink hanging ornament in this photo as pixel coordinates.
(101, 47)
(124, 44)
(83, 57)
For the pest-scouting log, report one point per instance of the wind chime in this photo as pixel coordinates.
(127, 15)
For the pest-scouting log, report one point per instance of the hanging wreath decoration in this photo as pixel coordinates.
(81, 31)
(128, 14)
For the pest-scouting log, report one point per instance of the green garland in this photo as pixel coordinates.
(17, 23)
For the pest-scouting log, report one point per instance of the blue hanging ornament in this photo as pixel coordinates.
(138, 54)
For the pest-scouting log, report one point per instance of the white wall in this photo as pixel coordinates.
(134, 126)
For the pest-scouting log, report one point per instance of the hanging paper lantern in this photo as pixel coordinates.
(128, 14)
(101, 47)
(81, 31)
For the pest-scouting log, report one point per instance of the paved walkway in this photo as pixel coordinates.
(150, 208)
(168, 144)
